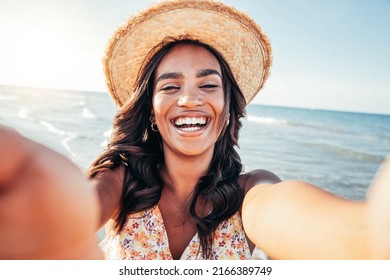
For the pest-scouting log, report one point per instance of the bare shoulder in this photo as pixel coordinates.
(257, 177)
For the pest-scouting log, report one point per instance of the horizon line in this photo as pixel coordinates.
(251, 104)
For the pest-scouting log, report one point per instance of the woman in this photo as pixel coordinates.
(183, 163)
(174, 138)
(171, 179)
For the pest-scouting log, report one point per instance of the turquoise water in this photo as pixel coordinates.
(338, 151)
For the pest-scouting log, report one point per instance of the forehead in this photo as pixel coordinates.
(188, 56)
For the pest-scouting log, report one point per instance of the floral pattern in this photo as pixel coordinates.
(144, 238)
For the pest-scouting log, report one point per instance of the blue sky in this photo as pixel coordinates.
(327, 54)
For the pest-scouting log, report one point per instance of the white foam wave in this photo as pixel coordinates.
(24, 115)
(88, 114)
(266, 120)
(51, 128)
(66, 145)
(107, 135)
(68, 136)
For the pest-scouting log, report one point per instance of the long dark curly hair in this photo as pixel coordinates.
(134, 145)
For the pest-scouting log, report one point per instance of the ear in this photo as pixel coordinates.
(152, 118)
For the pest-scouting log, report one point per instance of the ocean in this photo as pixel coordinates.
(336, 151)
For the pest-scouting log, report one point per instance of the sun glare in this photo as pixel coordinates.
(48, 51)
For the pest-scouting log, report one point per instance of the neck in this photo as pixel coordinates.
(180, 174)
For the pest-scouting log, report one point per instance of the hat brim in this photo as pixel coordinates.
(232, 33)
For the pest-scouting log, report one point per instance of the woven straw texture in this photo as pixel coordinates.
(235, 35)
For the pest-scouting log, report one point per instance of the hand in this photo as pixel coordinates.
(47, 208)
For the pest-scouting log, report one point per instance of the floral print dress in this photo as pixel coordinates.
(144, 238)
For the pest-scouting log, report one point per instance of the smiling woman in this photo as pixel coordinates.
(191, 98)
(190, 92)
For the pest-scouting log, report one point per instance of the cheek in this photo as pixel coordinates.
(157, 104)
(160, 106)
(219, 106)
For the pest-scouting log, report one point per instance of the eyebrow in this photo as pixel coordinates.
(207, 72)
(170, 75)
(179, 75)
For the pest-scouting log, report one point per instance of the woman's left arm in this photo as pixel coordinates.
(296, 220)
(378, 212)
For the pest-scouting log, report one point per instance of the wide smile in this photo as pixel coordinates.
(190, 124)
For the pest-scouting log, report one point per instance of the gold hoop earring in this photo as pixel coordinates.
(153, 124)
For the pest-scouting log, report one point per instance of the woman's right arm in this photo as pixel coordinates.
(108, 186)
(48, 209)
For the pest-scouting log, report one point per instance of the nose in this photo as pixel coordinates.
(190, 98)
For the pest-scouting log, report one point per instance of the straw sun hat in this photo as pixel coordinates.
(234, 34)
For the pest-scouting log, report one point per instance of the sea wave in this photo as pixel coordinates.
(72, 96)
(88, 114)
(297, 124)
(349, 153)
(24, 115)
(66, 145)
(107, 135)
(51, 128)
(68, 136)
(266, 120)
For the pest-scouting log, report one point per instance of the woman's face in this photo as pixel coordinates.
(188, 100)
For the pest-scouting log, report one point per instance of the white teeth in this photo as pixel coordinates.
(190, 128)
(189, 121)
